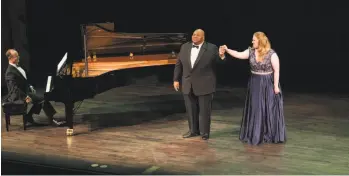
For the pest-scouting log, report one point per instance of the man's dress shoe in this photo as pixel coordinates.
(205, 136)
(189, 134)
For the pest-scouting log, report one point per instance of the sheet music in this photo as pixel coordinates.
(59, 66)
(48, 85)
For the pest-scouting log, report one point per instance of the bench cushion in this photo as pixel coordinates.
(18, 107)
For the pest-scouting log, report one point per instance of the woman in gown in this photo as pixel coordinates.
(263, 116)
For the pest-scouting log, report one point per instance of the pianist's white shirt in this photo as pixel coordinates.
(19, 69)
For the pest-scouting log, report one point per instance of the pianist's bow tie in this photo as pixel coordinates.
(195, 46)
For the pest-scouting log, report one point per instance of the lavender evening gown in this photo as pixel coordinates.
(263, 116)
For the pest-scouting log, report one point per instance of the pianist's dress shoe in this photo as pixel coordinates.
(205, 136)
(189, 134)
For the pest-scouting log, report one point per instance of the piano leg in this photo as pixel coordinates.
(69, 117)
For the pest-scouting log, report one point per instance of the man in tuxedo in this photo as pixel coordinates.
(196, 69)
(20, 90)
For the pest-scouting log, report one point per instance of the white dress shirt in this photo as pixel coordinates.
(19, 69)
(194, 53)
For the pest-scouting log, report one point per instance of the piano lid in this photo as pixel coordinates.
(102, 39)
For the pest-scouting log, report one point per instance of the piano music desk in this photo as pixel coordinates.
(107, 64)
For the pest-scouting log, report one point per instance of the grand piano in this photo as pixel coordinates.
(110, 60)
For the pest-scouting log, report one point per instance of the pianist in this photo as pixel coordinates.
(20, 90)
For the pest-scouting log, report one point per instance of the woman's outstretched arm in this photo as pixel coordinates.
(239, 55)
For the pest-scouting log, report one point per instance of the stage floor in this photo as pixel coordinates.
(137, 130)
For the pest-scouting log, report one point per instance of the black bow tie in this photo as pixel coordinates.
(195, 46)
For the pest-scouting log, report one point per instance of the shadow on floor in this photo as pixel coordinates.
(105, 117)
(20, 164)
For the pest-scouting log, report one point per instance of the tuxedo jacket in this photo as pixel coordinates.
(201, 78)
(17, 85)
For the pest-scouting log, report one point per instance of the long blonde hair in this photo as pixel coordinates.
(263, 44)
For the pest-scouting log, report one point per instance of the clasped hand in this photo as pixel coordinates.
(222, 49)
(28, 99)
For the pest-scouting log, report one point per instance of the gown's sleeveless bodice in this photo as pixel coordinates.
(263, 66)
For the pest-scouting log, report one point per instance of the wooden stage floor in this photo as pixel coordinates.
(137, 130)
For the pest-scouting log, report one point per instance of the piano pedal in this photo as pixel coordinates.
(69, 132)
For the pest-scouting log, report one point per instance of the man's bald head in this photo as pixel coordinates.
(12, 56)
(202, 32)
(198, 36)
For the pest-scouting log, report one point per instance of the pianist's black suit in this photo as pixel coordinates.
(198, 84)
(19, 88)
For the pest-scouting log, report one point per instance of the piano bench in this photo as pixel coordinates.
(14, 108)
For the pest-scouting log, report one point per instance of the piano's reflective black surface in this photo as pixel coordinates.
(113, 65)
